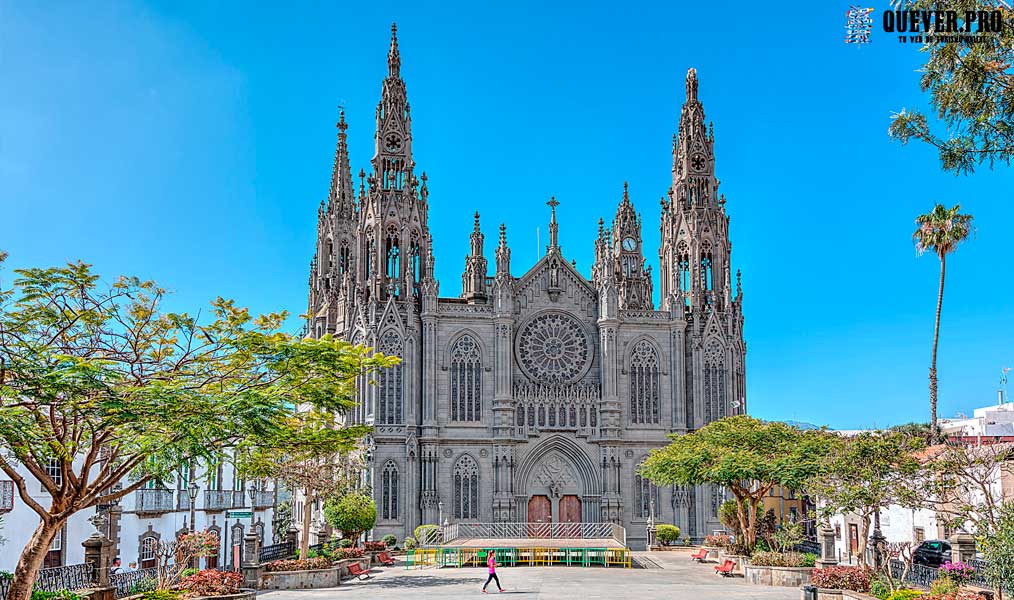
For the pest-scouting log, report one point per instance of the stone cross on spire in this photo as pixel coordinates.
(554, 228)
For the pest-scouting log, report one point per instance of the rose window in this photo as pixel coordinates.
(553, 348)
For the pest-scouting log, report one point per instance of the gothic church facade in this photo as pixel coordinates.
(535, 394)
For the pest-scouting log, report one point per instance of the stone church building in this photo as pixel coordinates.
(535, 394)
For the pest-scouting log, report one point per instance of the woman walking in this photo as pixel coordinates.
(491, 563)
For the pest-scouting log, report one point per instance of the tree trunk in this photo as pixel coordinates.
(31, 560)
(864, 534)
(304, 543)
(934, 428)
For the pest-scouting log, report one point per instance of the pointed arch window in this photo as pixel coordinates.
(393, 254)
(466, 488)
(416, 265)
(344, 259)
(389, 491)
(645, 493)
(466, 380)
(715, 398)
(389, 392)
(645, 396)
(707, 277)
(683, 266)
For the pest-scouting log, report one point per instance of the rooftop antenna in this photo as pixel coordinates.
(1002, 392)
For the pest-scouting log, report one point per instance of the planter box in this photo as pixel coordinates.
(777, 576)
(827, 594)
(343, 565)
(299, 580)
(741, 560)
(243, 594)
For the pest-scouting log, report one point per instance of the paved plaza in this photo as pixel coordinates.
(672, 576)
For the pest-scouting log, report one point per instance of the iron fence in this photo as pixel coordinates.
(55, 579)
(925, 576)
(134, 582)
(6, 495)
(277, 551)
(918, 574)
(810, 546)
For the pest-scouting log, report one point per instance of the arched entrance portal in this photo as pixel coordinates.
(558, 484)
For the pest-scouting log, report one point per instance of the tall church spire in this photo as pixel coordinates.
(341, 199)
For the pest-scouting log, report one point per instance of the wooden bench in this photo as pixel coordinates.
(700, 556)
(384, 559)
(725, 569)
(357, 571)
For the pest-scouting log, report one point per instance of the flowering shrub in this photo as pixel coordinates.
(375, 546)
(212, 583)
(301, 564)
(342, 553)
(779, 559)
(905, 595)
(958, 571)
(959, 595)
(856, 579)
(720, 540)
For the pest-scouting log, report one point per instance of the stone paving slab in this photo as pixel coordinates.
(675, 579)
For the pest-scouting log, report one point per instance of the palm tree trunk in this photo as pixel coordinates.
(934, 427)
(304, 545)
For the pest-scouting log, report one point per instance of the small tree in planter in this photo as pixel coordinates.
(667, 534)
(174, 558)
(351, 514)
(390, 540)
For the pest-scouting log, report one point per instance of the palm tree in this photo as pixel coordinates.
(940, 231)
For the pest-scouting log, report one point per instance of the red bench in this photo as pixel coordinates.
(357, 571)
(700, 556)
(725, 569)
(384, 559)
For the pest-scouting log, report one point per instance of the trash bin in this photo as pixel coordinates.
(809, 592)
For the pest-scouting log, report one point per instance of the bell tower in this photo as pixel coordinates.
(627, 257)
(394, 231)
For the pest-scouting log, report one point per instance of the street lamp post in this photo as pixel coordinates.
(192, 491)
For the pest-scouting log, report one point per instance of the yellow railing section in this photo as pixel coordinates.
(510, 557)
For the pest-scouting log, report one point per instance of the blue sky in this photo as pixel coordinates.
(191, 143)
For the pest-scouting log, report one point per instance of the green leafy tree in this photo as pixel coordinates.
(867, 472)
(971, 87)
(940, 231)
(743, 454)
(998, 550)
(99, 385)
(351, 514)
(317, 458)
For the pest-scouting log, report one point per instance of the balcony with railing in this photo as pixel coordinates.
(153, 501)
(224, 499)
(6, 496)
(184, 500)
(264, 498)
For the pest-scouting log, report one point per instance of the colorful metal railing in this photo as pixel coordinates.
(521, 556)
(548, 531)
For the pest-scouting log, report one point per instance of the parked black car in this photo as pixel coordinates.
(932, 553)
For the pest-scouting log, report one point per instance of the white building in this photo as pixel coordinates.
(159, 512)
(988, 421)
